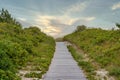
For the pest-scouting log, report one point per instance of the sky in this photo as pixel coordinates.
(60, 17)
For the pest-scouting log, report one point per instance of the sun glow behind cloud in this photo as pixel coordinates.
(55, 25)
(60, 17)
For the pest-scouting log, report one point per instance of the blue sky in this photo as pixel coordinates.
(60, 17)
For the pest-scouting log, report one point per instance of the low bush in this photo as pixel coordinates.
(20, 46)
(102, 46)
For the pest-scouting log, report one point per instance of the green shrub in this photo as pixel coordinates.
(115, 71)
(86, 65)
(81, 28)
(20, 46)
(8, 75)
(102, 46)
(33, 75)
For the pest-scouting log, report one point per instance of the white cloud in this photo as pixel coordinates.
(22, 19)
(89, 18)
(58, 25)
(116, 6)
(53, 25)
(79, 6)
(62, 24)
(44, 23)
(67, 20)
(51, 29)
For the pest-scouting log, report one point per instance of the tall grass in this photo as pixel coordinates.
(86, 65)
(21, 47)
(103, 46)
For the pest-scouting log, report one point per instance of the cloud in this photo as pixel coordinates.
(21, 19)
(89, 18)
(59, 25)
(53, 25)
(83, 21)
(51, 29)
(79, 21)
(116, 6)
(78, 7)
(64, 20)
(44, 22)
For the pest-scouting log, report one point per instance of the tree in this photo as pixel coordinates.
(81, 28)
(118, 25)
(5, 16)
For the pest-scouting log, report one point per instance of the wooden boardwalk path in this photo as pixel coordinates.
(63, 66)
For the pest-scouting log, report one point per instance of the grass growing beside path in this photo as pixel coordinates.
(27, 49)
(86, 65)
(102, 46)
(23, 49)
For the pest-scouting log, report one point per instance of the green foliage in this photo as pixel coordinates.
(10, 48)
(87, 66)
(8, 75)
(33, 75)
(76, 56)
(118, 25)
(19, 46)
(103, 46)
(115, 71)
(5, 62)
(6, 17)
(81, 28)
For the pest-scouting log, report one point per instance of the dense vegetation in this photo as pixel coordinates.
(103, 46)
(86, 65)
(22, 47)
